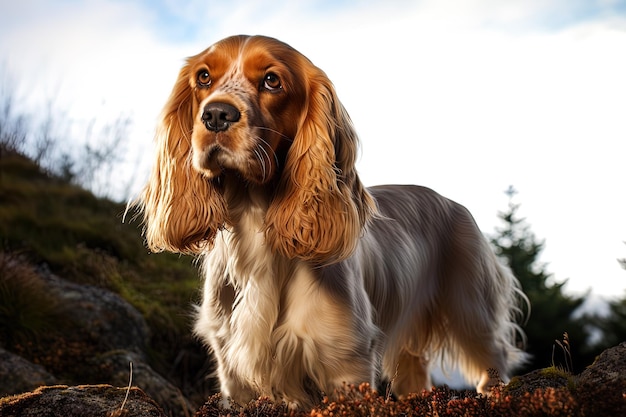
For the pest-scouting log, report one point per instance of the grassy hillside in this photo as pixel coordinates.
(80, 237)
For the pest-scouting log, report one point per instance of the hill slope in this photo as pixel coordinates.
(56, 226)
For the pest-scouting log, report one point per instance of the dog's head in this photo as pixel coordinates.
(256, 108)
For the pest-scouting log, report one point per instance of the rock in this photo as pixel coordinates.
(608, 369)
(157, 387)
(81, 401)
(19, 375)
(106, 319)
(93, 337)
(601, 388)
(539, 379)
(118, 333)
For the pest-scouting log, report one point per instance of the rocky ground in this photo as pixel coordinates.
(96, 336)
(600, 390)
(107, 334)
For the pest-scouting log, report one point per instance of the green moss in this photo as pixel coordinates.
(558, 373)
(554, 372)
(514, 384)
(82, 238)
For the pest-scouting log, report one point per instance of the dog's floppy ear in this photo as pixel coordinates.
(321, 206)
(182, 209)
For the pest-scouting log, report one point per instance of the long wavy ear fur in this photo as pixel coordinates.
(182, 209)
(321, 206)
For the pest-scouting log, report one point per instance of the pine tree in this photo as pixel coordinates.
(552, 311)
(613, 326)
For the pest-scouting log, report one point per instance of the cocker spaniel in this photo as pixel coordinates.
(311, 279)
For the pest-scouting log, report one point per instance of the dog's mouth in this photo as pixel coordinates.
(217, 160)
(212, 162)
(214, 159)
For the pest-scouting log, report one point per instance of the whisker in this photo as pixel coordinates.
(270, 148)
(268, 162)
(261, 162)
(282, 135)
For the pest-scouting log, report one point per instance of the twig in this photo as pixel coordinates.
(130, 383)
(121, 412)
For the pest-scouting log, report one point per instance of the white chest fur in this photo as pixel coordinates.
(273, 325)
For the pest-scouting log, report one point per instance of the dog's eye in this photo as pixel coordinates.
(203, 78)
(271, 82)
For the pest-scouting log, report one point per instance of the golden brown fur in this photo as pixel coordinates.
(184, 210)
(311, 280)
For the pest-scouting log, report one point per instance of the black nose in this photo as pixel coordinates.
(218, 117)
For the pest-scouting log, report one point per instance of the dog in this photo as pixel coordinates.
(312, 280)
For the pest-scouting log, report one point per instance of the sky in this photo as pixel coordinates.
(465, 97)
